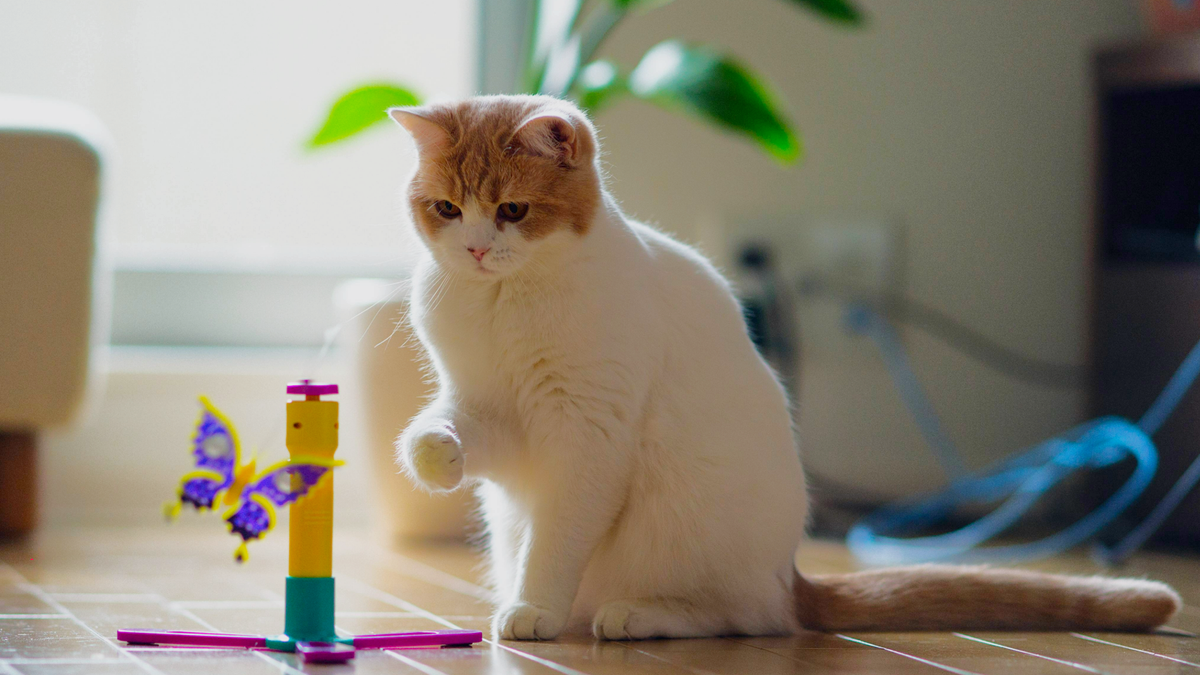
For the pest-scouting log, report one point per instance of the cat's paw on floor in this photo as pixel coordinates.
(436, 458)
(639, 620)
(523, 621)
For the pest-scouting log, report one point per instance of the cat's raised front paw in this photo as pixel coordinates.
(434, 458)
(523, 621)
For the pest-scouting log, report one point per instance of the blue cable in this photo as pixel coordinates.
(1158, 413)
(863, 320)
(1019, 481)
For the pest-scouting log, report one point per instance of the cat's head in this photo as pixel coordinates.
(501, 180)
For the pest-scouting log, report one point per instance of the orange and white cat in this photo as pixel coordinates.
(634, 455)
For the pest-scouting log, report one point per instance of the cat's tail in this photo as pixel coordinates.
(947, 597)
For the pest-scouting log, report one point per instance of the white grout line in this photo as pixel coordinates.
(275, 659)
(34, 616)
(566, 670)
(428, 670)
(283, 667)
(107, 598)
(383, 596)
(66, 661)
(1135, 649)
(690, 669)
(36, 591)
(420, 571)
(1072, 664)
(935, 664)
(376, 615)
(228, 604)
(6, 669)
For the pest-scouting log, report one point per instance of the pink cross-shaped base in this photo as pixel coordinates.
(313, 652)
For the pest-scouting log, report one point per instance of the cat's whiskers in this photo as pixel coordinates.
(447, 279)
(381, 304)
(439, 282)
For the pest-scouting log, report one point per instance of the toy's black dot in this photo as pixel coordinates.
(296, 425)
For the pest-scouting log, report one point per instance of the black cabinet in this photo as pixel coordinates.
(1145, 264)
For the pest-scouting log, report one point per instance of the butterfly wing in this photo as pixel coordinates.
(215, 446)
(200, 489)
(280, 485)
(216, 452)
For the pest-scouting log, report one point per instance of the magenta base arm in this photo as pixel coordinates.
(315, 652)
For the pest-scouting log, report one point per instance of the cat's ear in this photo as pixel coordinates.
(551, 135)
(419, 122)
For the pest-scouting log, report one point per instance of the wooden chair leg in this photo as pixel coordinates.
(18, 483)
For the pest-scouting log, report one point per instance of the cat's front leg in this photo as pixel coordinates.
(573, 503)
(435, 447)
(431, 454)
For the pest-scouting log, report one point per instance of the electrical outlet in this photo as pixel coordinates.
(825, 261)
(855, 257)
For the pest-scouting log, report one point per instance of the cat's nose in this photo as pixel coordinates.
(479, 252)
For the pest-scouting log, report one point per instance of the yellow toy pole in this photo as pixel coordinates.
(312, 430)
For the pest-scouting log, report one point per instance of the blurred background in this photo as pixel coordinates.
(953, 154)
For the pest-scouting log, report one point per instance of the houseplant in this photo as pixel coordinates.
(559, 61)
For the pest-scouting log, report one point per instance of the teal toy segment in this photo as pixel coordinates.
(308, 613)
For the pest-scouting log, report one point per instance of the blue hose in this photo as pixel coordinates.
(1019, 481)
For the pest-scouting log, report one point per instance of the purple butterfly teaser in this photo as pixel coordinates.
(279, 487)
(219, 477)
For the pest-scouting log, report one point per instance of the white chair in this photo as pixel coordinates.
(54, 283)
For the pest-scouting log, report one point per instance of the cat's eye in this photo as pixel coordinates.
(447, 210)
(511, 211)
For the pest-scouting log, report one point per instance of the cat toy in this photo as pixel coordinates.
(305, 483)
(220, 479)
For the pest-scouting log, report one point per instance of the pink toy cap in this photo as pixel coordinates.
(310, 388)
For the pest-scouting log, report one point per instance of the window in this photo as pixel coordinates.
(210, 105)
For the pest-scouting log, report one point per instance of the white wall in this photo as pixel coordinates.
(965, 119)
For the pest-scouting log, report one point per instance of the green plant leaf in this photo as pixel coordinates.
(553, 22)
(834, 10)
(360, 108)
(563, 65)
(598, 84)
(718, 89)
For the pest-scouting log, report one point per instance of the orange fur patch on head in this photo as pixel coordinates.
(491, 150)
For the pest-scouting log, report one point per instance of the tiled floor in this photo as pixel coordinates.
(64, 595)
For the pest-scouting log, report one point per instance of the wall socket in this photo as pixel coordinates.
(825, 261)
(855, 256)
